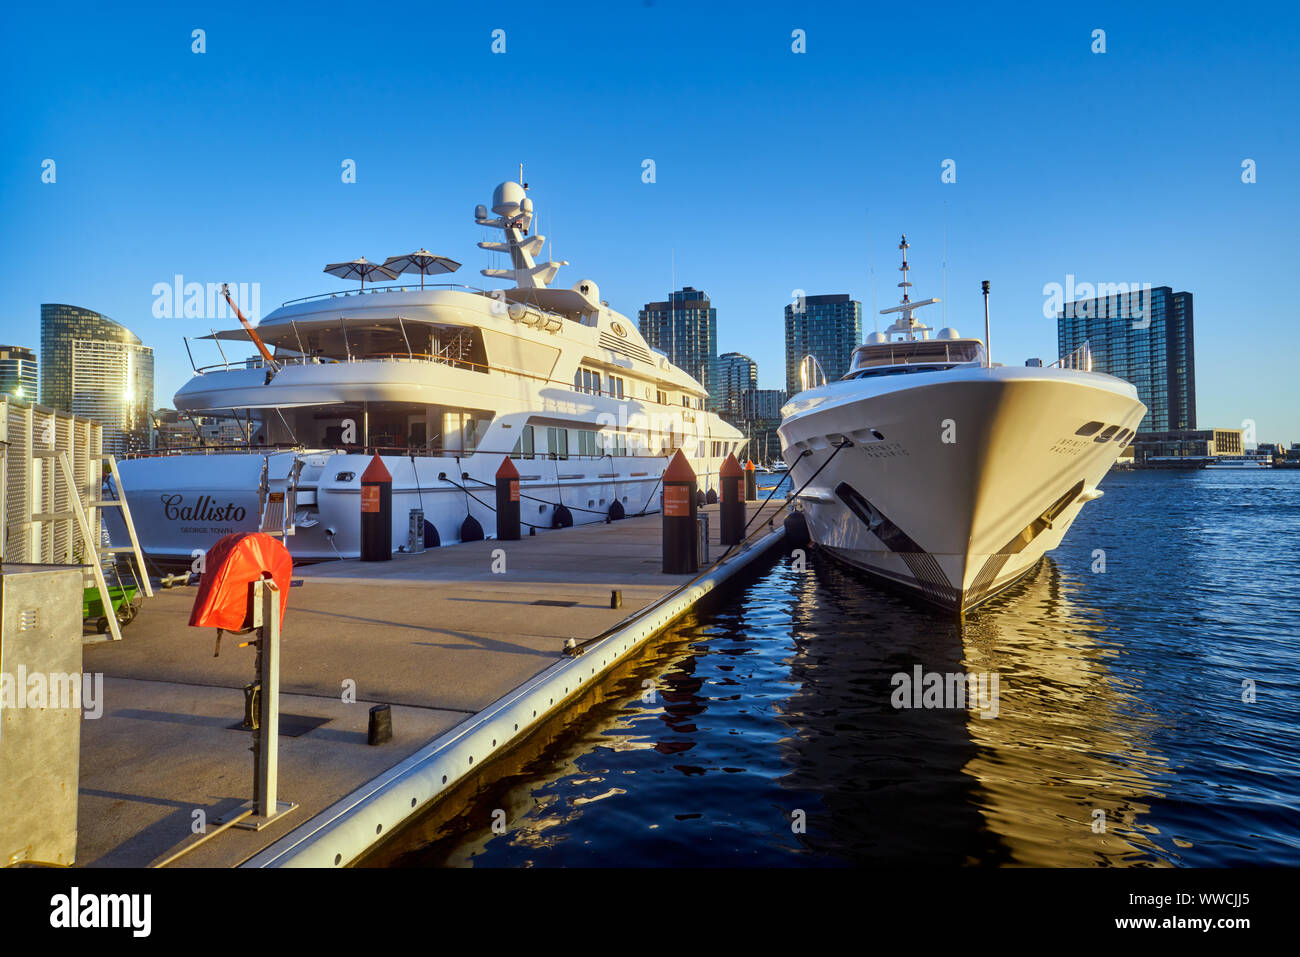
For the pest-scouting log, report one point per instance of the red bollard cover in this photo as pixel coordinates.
(229, 566)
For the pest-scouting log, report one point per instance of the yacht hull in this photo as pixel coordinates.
(956, 487)
(182, 505)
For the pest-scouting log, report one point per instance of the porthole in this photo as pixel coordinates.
(338, 859)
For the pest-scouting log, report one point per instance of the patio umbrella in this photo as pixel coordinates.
(360, 268)
(423, 262)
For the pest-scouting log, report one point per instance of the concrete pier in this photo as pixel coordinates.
(464, 642)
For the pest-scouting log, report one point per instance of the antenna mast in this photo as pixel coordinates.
(905, 325)
(945, 263)
(871, 269)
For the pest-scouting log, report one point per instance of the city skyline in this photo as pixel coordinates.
(1018, 209)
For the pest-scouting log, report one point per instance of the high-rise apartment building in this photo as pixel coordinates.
(828, 327)
(685, 328)
(734, 374)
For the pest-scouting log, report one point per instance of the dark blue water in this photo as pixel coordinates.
(763, 733)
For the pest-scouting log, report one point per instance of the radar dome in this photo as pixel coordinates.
(506, 199)
(588, 290)
(947, 332)
(875, 338)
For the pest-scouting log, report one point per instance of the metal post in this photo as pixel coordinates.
(266, 595)
(988, 352)
(265, 805)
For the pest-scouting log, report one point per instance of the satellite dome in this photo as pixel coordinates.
(948, 332)
(588, 290)
(507, 198)
(875, 338)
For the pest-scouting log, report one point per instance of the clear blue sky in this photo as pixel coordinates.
(772, 167)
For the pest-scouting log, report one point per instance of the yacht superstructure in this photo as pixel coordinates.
(951, 475)
(442, 382)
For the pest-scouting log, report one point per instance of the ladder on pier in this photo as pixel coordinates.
(94, 551)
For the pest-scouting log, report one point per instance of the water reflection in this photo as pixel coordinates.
(764, 734)
(1068, 768)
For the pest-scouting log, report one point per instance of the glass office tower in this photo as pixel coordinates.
(18, 373)
(93, 366)
(1145, 339)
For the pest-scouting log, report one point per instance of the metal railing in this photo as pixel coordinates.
(406, 287)
(1080, 359)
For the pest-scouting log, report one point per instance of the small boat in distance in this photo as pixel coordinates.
(935, 469)
(1237, 463)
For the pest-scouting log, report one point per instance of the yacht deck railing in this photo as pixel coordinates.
(1080, 359)
(407, 287)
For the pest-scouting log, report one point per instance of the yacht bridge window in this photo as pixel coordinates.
(927, 351)
(349, 340)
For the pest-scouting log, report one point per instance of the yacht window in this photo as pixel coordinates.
(898, 370)
(585, 380)
(1105, 436)
(557, 443)
(1088, 429)
(616, 387)
(611, 443)
(587, 442)
(661, 397)
(524, 444)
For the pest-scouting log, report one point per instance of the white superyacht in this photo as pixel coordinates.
(443, 382)
(951, 475)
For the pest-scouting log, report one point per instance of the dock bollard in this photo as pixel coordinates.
(732, 510)
(376, 512)
(507, 501)
(380, 730)
(680, 509)
(751, 482)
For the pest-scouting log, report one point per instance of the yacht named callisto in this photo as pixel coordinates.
(931, 467)
(442, 383)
